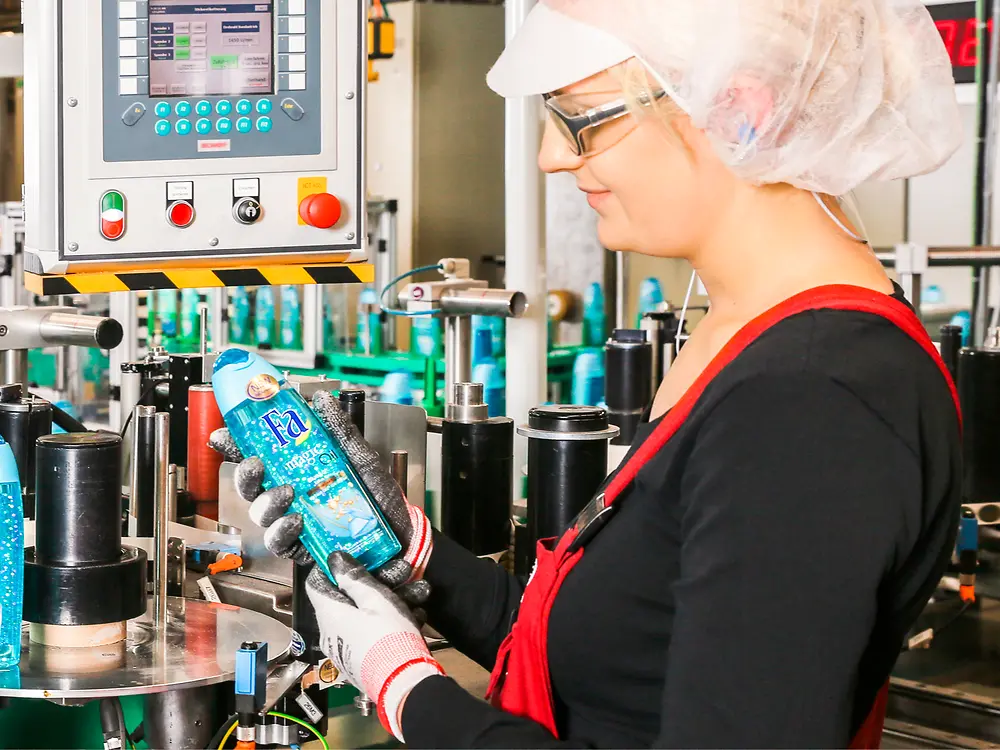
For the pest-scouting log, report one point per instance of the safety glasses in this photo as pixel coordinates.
(589, 130)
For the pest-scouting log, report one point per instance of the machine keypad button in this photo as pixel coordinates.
(204, 108)
(293, 109)
(264, 106)
(224, 107)
(244, 125)
(224, 126)
(183, 127)
(162, 109)
(244, 107)
(163, 127)
(203, 126)
(183, 109)
(133, 114)
(264, 124)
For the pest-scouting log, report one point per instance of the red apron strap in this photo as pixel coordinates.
(520, 683)
(869, 736)
(837, 297)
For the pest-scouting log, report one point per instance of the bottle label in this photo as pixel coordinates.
(262, 387)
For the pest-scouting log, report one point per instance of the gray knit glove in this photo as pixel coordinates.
(269, 509)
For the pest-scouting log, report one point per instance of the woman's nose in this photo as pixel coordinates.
(556, 155)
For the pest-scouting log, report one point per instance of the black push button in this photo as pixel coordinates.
(247, 211)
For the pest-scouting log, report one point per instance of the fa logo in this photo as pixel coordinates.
(286, 427)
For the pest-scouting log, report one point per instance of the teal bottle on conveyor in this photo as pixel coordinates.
(588, 378)
(593, 316)
(291, 318)
(272, 421)
(239, 321)
(369, 322)
(329, 324)
(650, 298)
(426, 338)
(190, 317)
(264, 318)
(11, 559)
(166, 309)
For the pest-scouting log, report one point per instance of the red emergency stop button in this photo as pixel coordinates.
(320, 210)
(180, 214)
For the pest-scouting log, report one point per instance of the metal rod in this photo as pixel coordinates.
(161, 503)
(66, 329)
(951, 256)
(141, 475)
(500, 303)
(457, 351)
(400, 468)
(15, 366)
(203, 331)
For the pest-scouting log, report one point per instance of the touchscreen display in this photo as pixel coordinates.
(210, 49)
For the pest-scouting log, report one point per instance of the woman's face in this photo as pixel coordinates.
(653, 193)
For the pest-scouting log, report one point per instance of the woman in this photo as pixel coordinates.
(791, 504)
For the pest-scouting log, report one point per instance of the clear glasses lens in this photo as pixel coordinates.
(608, 124)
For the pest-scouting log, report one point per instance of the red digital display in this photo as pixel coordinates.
(958, 27)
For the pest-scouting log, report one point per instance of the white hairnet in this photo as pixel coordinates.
(821, 94)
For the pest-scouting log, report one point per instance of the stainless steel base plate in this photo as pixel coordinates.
(197, 646)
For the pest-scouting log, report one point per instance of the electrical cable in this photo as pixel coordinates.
(928, 635)
(232, 722)
(401, 277)
(310, 727)
(217, 737)
(150, 387)
(61, 418)
(228, 734)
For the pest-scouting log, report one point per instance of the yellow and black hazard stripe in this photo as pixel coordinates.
(199, 278)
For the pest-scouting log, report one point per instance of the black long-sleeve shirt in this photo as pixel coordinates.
(756, 585)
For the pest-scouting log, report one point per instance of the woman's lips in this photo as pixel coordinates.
(597, 199)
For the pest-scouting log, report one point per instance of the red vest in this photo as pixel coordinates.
(520, 683)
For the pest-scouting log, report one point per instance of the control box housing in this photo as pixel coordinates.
(173, 133)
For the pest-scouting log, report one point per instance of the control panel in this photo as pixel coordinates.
(171, 133)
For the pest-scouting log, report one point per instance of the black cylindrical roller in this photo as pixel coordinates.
(477, 467)
(979, 392)
(79, 502)
(22, 422)
(951, 345)
(628, 382)
(353, 402)
(567, 461)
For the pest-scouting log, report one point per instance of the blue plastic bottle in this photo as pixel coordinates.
(291, 318)
(239, 323)
(593, 316)
(190, 318)
(329, 323)
(11, 559)
(425, 336)
(272, 421)
(650, 297)
(166, 308)
(369, 322)
(494, 387)
(264, 318)
(397, 389)
(588, 379)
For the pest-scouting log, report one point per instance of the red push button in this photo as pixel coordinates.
(320, 210)
(180, 214)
